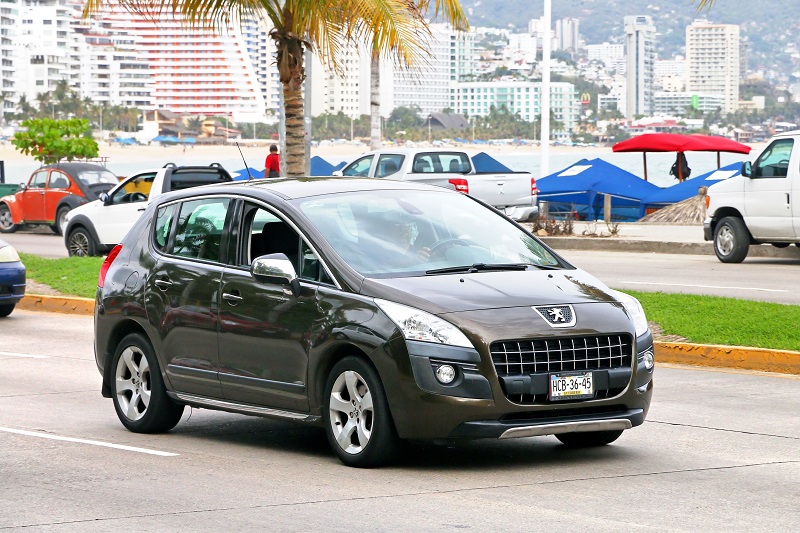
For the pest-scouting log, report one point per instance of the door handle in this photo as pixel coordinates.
(787, 199)
(141, 209)
(163, 284)
(232, 298)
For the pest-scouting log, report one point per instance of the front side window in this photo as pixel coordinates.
(360, 167)
(263, 233)
(38, 180)
(135, 189)
(411, 233)
(774, 161)
(200, 228)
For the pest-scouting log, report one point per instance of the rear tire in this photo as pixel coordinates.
(589, 439)
(61, 223)
(731, 240)
(140, 397)
(80, 243)
(357, 420)
(6, 223)
(6, 309)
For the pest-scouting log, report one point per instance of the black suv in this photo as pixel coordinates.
(380, 310)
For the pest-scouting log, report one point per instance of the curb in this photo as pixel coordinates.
(615, 244)
(708, 355)
(57, 304)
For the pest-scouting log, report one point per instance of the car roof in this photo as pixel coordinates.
(76, 167)
(414, 151)
(293, 188)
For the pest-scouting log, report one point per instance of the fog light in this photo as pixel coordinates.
(445, 374)
(649, 359)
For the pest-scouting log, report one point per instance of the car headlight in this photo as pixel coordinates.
(418, 325)
(8, 255)
(634, 309)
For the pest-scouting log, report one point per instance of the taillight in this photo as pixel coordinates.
(460, 184)
(107, 264)
(534, 188)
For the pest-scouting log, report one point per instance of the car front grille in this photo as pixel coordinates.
(525, 359)
(561, 354)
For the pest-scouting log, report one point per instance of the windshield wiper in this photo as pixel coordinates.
(479, 267)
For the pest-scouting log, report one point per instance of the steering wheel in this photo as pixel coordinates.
(441, 245)
(137, 197)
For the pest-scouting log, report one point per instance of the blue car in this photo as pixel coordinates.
(12, 278)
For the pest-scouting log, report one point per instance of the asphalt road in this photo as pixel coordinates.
(719, 452)
(757, 278)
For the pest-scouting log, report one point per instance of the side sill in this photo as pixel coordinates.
(242, 408)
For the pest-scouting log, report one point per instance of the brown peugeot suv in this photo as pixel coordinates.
(380, 310)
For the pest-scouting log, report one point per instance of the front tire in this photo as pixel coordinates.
(80, 243)
(61, 220)
(589, 439)
(140, 397)
(358, 423)
(731, 240)
(6, 223)
(6, 309)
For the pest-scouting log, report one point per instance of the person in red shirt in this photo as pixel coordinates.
(273, 163)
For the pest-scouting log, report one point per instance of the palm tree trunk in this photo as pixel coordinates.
(295, 129)
(375, 101)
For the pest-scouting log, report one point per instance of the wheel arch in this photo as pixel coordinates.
(119, 332)
(723, 212)
(325, 364)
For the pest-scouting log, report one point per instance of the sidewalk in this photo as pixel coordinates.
(652, 238)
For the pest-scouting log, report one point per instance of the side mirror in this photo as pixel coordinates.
(337, 173)
(276, 268)
(747, 169)
(22, 187)
(104, 197)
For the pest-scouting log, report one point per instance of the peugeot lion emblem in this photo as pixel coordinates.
(558, 316)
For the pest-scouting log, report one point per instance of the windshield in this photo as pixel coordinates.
(94, 177)
(408, 233)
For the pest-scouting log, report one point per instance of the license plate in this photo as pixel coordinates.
(574, 386)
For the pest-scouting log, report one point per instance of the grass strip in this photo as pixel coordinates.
(726, 321)
(74, 276)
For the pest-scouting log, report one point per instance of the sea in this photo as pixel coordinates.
(18, 170)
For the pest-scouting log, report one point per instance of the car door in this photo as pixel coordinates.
(264, 329)
(33, 197)
(183, 291)
(768, 194)
(113, 218)
(57, 188)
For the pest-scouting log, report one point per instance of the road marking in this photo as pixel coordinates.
(85, 441)
(704, 286)
(28, 355)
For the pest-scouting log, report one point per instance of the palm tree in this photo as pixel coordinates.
(324, 27)
(451, 12)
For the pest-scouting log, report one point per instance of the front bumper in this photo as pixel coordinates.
(708, 230)
(12, 282)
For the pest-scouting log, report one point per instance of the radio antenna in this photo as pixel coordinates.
(249, 176)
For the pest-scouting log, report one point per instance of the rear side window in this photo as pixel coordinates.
(186, 178)
(200, 228)
(163, 227)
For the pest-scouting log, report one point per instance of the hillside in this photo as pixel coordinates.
(602, 20)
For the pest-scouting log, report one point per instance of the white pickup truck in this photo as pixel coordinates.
(761, 206)
(512, 193)
(98, 226)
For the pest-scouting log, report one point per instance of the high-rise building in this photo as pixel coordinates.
(640, 47)
(261, 49)
(567, 34)
(607, 53)
(712, 53)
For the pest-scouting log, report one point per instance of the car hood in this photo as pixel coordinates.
(454, 293)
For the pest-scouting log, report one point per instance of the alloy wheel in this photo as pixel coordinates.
(79, 244)
(5, 219)
(133, 385)
(351, 412)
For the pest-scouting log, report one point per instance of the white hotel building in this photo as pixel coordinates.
(712, 54)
